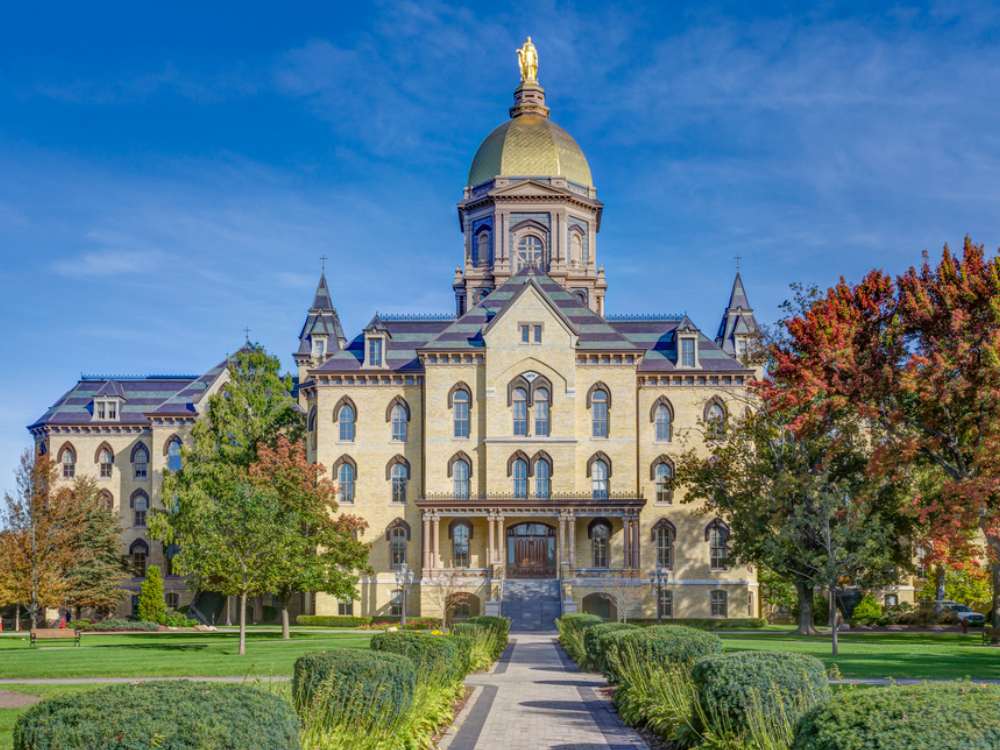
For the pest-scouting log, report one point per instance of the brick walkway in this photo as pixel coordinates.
(536, 698)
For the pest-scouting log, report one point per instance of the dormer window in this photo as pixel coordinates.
(688, 351)
(319, 347)
(106, 409)
(375, 351)
(741, 349)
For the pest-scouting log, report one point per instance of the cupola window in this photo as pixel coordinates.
(530, 252)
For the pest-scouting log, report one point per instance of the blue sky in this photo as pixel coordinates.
(171, 175)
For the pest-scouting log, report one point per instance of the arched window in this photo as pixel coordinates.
(460, 471)
(717, 536)
(346, 418)
(311, 428)
(139, 503)
(174, 454)
(541, 405)
(399, 422)
(599, 412)
(482, 248)
(106, 501)
(519, 403)
(68, 460)
(140, 461)
(576, 248)
(664, 422)
(396, 603)
(106, 461)
(520, 471)
(399, 475)
(664, 535)
(543, 479)
(460, 399)
(461, 532)
(715, 419)
(346, 478)
(139, 552)
(530, 252)
(397, 547)
(600, 542)
(599, 479)
(663, 475)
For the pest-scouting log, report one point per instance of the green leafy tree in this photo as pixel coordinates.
(968, 584)
(94, 580)
(152, 605)
(233, 533)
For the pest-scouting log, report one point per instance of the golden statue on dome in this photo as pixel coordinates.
(527, 58)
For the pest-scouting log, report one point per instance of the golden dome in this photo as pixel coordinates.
(530, 145)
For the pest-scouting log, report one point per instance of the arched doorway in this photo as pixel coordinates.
(531, 551)
(601, 605)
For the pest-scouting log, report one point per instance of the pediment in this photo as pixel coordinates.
(529, 189)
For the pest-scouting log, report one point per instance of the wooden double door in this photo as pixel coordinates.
(531, 551)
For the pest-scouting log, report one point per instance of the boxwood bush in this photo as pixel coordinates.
(439, 660)
(161, 715)
(772, 687)
(334, 621)
(940, 716)
(115, 625)
(595, 639)
(499, 627)
(357, 689)
(571, 629)
(678, 643)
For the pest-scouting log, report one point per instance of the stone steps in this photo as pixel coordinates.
(531, 604)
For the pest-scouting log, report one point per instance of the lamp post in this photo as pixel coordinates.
(403, 576)
(661, 575)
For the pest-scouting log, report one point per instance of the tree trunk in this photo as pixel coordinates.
(804, 592)
(229, 611)
(833, 620)
(939, 590)
(285, 632)
(17, 618)
(243, 624)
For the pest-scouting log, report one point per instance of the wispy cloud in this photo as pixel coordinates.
(110, 263)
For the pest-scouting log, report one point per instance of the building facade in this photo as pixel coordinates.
(514, 455)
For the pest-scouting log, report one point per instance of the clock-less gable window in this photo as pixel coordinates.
(688, 351)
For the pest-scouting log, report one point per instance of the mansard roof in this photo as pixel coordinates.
(407, 333)
(658, 336)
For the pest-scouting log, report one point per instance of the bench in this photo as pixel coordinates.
(52, 634)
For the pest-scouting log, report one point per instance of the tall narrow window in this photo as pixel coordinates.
(375, 352)
(460, 414)
(399, 423)
(665, 604)
(599, 413)
(715, 420)
(139, 551)
(600, 538)
(345, 483)
(460, 545)
(525, 333)
(687, 352)
(69, 463)
(664, 423)
(519, 401)
(140, 462)
(718, 547)
(520, 478)
(107, 462)
(396, 603)
(460, 479)
(140, 506)
(542, 412)
(543, 479)
(720, 604)
(599, 480)
(397, 547)
(664, 546)
(664, 483)
(346, 418)
(399, 478)
(482, 248)
(174, 455)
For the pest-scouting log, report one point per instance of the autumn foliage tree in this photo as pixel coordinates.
(917, 357)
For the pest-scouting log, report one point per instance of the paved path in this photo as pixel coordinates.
(536, 698)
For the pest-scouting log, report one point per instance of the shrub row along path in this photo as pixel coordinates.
(536, 698)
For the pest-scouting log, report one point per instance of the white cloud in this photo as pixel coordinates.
(109, 263)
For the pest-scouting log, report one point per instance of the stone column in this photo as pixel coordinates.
(637, 561)
(427, 543)
(627, 541)
(571, 522)
(501, 545)
(491, 549)
(435, 541)
(561, 557)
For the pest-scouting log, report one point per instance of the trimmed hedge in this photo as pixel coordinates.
(579, 620)
(571, 631)
(678, 643)
(439, 659)
(358, 689)
(114, 626)
(412, 623)
(596, 639)
(337, 621)
(161, 715)
(775, 687)
(708, 623)
(499, 627)
(941, 716)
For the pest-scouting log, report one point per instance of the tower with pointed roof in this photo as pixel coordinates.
(322, 334)
(738, 327)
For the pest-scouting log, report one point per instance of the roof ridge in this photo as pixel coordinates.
(622, 317)
(87, 377)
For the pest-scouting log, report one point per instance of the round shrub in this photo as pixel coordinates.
(438, 659)
(359, 689)
(772, 687)
(941, 716)
(161, 715)
(595, 638)
(677, 644)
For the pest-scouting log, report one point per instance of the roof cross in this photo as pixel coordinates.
(323, 259)
(738, 259)
(246, 332)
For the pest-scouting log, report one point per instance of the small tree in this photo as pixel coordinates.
(94, 580)
(152, 605)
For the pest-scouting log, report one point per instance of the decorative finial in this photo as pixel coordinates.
(527, 59)
(246, 333)
(322, 260)
(738, 259)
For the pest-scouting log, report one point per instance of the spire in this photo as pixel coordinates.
(530, 96)
(322, 324)
(322, 299)
(738, 296)
(737, 321)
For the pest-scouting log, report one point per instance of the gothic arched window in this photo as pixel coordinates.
(139, 551)
(106, 460)
(663, 475)
(460, 479)
(399, 422)
(599, 479)
(140, 461)
(543, 479)
(459, 400)
(717, 535)
(140, 506)
(399, 474)
(600, 543)
(519, 403)
(397, 547)
(346, 477)
(541, 404)
(482, 248)
(715, 419)
(664, 535)
(599, 400)
(460, 533)
(174, 454)
(520, 478)
(664, 422)
(68, 461)
(530, 252)
(346, 417)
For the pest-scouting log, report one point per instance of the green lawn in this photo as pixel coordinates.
(167, 654)
(915, 655)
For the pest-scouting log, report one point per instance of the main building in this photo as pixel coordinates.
(513, 456)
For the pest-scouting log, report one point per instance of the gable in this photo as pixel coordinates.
(530, 306)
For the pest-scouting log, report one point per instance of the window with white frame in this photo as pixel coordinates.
(718, 546)
(460, 534)
(345, 608)
(599, 479)
(140, 507)
(318, 347)
(541, 407)
(664, 535)
(599, 413)
(106, 461)
(345, 482)
(689, 351)
(460, 413)
(396, 603)
(174, 455)
(520, 472)
(375, 351)
(543, 479)
(399, 423)
(663, 422)
(600, 543)
(664, 475)
(346, 418)
(397, 547)
(106, 409)
(140, 462)
(519, 403)
(460, 479)
(530, 252)
(719, 603)
(665, 603)
(68, 463)
(399, 475)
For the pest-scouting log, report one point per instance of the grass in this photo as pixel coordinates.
(167, 654)
(898, 655)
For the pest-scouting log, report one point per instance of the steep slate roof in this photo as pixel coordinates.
(736, 319)
(322, 319)
(141, 395)
(658, 335)
(407, 333)
(185, 401)
(593, 332)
